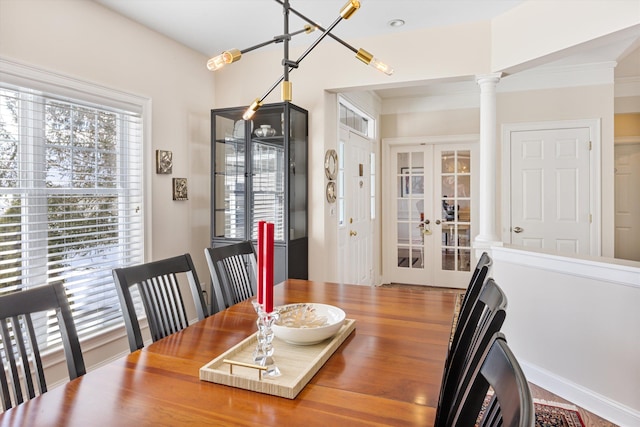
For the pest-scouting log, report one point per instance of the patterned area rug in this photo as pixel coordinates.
(456, 313)
(554, 414)
(549, 414)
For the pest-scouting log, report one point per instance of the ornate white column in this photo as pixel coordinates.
(487, 210)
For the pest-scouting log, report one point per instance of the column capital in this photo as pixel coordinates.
(488, 78)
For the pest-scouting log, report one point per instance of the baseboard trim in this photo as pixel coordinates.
(593, 402)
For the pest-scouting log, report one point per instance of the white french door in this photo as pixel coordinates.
(431, 202)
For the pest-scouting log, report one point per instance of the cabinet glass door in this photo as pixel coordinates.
(297, 174)
(268, 171)
(229, 176)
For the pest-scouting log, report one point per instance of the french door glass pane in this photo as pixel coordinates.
(455, 198)
(410, 180)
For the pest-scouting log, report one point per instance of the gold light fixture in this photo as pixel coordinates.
(232, 55)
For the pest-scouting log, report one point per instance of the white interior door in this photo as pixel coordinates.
(355, 231)
(627, 201)
(431, 205)
(550, 189)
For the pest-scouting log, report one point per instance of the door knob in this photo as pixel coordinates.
(353, 233)
(518, 229)
(437, 222)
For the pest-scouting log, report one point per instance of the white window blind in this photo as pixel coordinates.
(70, 200)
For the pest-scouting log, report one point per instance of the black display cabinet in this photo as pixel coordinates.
(259, 173)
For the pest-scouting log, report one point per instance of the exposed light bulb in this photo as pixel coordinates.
(381, 66)
(226, 57)
(252, 109)
(368, 59)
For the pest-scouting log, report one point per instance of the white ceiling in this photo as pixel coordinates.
(212, 26)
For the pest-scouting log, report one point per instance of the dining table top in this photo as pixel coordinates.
(387, 371)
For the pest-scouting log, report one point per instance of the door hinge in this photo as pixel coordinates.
(590, 145)
(590, 218)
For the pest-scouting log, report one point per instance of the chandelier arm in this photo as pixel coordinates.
(312, 22)
(319, 39)
(275, 85)
(288, 67)
(276, 39)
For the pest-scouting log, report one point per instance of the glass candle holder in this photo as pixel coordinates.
(263, 354)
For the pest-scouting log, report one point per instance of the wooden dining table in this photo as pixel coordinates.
(387, 371)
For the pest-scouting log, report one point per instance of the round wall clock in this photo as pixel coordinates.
(331, 164)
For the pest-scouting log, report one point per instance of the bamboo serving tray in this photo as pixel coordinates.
(297, 364)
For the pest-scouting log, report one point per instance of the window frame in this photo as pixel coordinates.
(40, 80)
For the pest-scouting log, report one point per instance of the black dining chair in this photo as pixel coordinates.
(510, 404)
(233, 273)
(159, 288)
(485, 319)
(480, 273)
(21, 371)
(471, 295)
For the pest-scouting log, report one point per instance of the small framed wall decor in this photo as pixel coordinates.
(164, 161)
(180, 189)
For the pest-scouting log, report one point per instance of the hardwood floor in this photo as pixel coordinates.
(590, 419)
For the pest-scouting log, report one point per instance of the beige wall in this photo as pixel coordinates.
(431, 123)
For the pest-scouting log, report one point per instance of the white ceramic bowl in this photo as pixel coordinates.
(312, 335)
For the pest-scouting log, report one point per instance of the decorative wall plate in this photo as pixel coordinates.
(331, 164)
(331, 192)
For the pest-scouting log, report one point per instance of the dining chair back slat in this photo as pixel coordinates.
(478, 279)
(233, 273)
(159, 288)
(511, 403)
(485, 319)
(22, 373)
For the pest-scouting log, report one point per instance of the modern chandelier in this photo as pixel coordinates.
(233, 55)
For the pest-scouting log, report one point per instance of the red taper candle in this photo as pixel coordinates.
(260, 266)
(268, 268)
